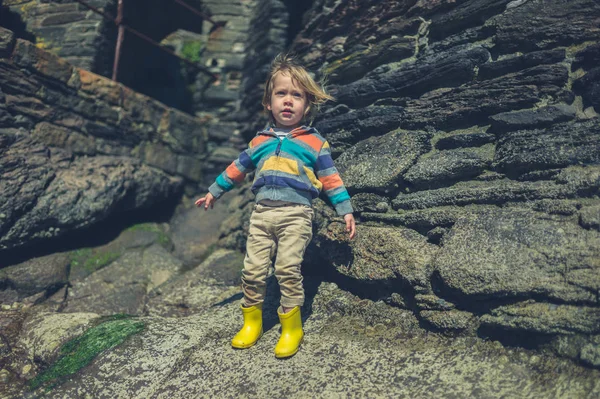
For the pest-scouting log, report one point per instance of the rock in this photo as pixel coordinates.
(555, 25)
(195, 232)
(464, 140)
(589, 88)
(368, 202)
(43, 274)
(6, 42)
(590, 354)
(424, 220)
(390, 155)
(444, 168)
(557, 207)
(342, 129)
(378, 253)
(355, 65)
(588, 57)
(122, 286)
(472, 103)
(432, 302)
(544, 318)
(527, 119)
(86, 261)
(589, 217)
(46, 199)
(505, 66)
(43, 334)
(463, 16)
(27, 55)
(557, 146)
(519, 253)
(345, 335)
(571, 183)
(216, 280)
(450, 321)
(413, 79)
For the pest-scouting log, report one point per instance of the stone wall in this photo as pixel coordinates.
(77, 147)
(65, 28)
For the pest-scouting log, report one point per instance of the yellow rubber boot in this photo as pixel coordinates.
(291, 333)
(252, 329)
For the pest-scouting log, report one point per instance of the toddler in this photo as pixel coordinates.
(293, 164)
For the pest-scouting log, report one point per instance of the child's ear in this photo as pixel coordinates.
(269, 107)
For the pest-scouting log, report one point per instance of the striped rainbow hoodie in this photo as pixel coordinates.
(293, 169)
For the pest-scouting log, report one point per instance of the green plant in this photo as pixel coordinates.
(191, 51)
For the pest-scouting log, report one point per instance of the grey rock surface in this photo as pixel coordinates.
(545, 318)
(44, 274)
(122, 286)
(515, 254)
(537, 118)
(46, 193)
(446, 167)
(570, 183)
(391, 155)
(343, 355)
(558, 146)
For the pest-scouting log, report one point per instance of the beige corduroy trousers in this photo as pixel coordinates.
(282, 232)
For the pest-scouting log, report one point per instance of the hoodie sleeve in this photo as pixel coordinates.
(333, 186)
(236, 172)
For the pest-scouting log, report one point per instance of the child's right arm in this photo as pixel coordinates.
(234, 174)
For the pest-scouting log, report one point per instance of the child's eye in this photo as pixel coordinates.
(298, 95)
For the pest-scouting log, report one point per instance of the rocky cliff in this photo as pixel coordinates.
(468, 135)
(467, 132)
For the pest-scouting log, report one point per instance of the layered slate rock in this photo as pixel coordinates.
(445, 167)
(569, 183)
(472, 103)
(441, 70)
(390, 155)
(558, 146)
(516, 253)
(123, 285)
(557, 23)
(526, 119)
(77, 148)
(47, 193)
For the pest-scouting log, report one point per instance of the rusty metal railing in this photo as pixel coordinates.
(124, 27)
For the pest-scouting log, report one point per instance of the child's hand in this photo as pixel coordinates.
(350, 225)
(207, 200)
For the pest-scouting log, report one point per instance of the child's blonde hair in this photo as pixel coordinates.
(315, 94)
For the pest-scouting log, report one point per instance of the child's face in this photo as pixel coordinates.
(288, 102)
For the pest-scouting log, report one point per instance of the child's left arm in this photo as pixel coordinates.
(334, 188)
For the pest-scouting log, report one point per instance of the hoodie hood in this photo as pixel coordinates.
(300, 130)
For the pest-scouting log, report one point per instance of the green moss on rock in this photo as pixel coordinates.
(80, 351)
(163, 238)
(191, 51)
(91, 260)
